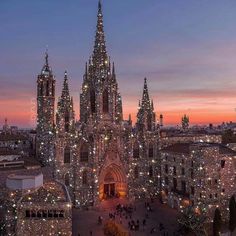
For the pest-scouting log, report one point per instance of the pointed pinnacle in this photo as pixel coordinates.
(86, 69)
(46, 57)
(113, 68)
(99, 5)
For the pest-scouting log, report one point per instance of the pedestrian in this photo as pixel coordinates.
(144, 222)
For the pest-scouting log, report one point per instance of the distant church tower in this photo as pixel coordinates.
(45, 114)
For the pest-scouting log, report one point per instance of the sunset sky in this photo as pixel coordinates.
(185, 48)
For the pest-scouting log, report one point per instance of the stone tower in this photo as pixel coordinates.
(45, 114)
(102, 162)
(100, 99)
(143, 165)
(146, 118)
(65, 148)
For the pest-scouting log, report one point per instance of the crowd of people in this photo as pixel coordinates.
(137, 219)
(125, 215)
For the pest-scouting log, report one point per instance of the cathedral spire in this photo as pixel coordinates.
(65, 111)
(146, 116)
(145, 99)
(99, 6)
(86, 68)
(100, 57)
(65, 89)
(113, 68)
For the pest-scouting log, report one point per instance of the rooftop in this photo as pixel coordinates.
(50, 192)
(184, 148)
(47, 173)
(12, 137)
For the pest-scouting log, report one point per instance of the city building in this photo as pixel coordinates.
(202, 175)
(31, 205)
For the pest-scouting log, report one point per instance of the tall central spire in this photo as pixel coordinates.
(65, 90)
(145, 99)
(100, 57)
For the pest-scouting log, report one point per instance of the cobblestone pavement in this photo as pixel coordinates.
(85, 221)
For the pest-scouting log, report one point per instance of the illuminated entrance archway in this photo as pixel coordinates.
(112, 182)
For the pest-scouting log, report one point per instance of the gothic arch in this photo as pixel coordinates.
(85, 177)
(93, 101)
(84, 152)
(150, 150)
(113, 174)
(150, 172)
(136, 151)
(149, 122)
(136, 172)
(67, 121)
(105, 101)
(47, 88)
(41, 89)
(67, 155)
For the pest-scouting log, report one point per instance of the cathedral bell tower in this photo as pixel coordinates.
(45, 114)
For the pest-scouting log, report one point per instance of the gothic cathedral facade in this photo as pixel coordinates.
(102, 155)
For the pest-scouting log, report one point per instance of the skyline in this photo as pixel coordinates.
(190, 67)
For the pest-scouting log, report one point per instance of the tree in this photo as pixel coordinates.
(113, 229)
(193, 222)
(217, 222)
(232, 214)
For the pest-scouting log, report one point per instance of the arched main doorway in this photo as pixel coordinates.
(112, 182)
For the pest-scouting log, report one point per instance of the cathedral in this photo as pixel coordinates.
(101, 156)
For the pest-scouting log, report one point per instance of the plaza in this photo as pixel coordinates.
(85, 221)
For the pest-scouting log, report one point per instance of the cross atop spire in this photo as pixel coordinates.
(100, 57)
(46, 68)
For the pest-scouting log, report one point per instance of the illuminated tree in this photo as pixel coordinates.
(113, 229)
(192, 222)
